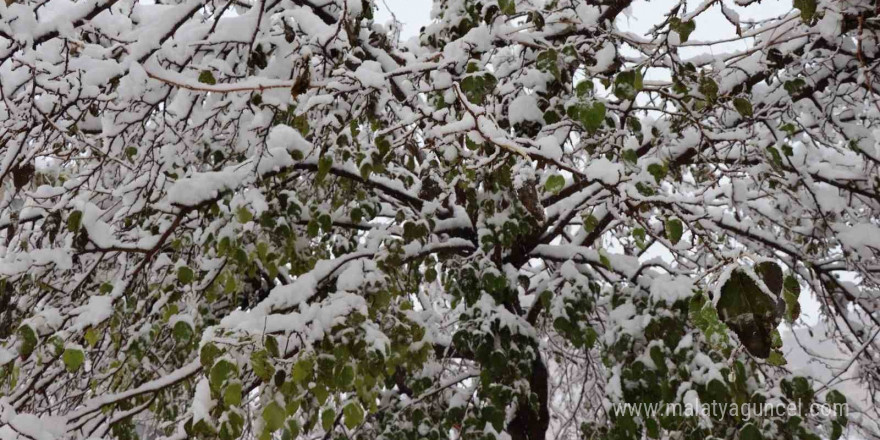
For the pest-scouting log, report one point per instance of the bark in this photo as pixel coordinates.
(528, 424)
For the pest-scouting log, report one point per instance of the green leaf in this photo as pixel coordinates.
(413, 231)
(554, 184)
(208, 354)
(836, 430)
(603, 258)
(592, 116)
(430, 274)
(274, 416)
(58, 344)
(232, 394)
(353, 414)
(653, 428)
(204, 428)
(356, 215)
(775, 339)
(261, 365)
(74, 221)
(793, 87)
(627, 84)
(837, 401)
(791, 291)
(639, 237)
(345, 377)
(657, 170)
(750, 432)
(327, 419)
(674, 230)
(294, 429)
(835, 397)
(73, 359)
(324, 165)
(185, 274)
(206, 77)
(366, 170)
(91, 336)
(477, 86)
(743, 106)
(321, 393)
(243, 215)
(709, 88)
(547, 62)
(507, 7)
(551, 117)
(230, 285)
(807, 8)
(749, 312)
(776, 358)
(775, 157)
(313, 228)
(584, 88)
(271, 345)
(262, 250)
(590, 337)
(220, 372)
(28, 341)
(590, 223)
(799, 390)
(771, 274)
(302, 370)
(682, 28)
(301, 124)
(705, 317)
(182, 332)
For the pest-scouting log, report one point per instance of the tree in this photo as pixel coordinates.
(272, 219)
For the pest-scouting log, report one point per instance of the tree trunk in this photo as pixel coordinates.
(527, 424)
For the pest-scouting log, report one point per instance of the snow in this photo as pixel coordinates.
(6, 356)
(202, 402)
(351, 278)
(311, 25)
(627, 320)
(863, 238)
(38, 428)
(686, 343)
(184, 318)
(829, 24)
(605, 171)
(613, 389)
(550, 147)
(141, 167)
(369, 74)
(98, 309)
(525, 108)
(671, 289)
(173, 377)
(200, 187)
(190, 191)
(137, 82)
(289, 296)
(16, 263)
(604, 58)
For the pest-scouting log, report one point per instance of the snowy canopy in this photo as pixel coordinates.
(276, 219)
